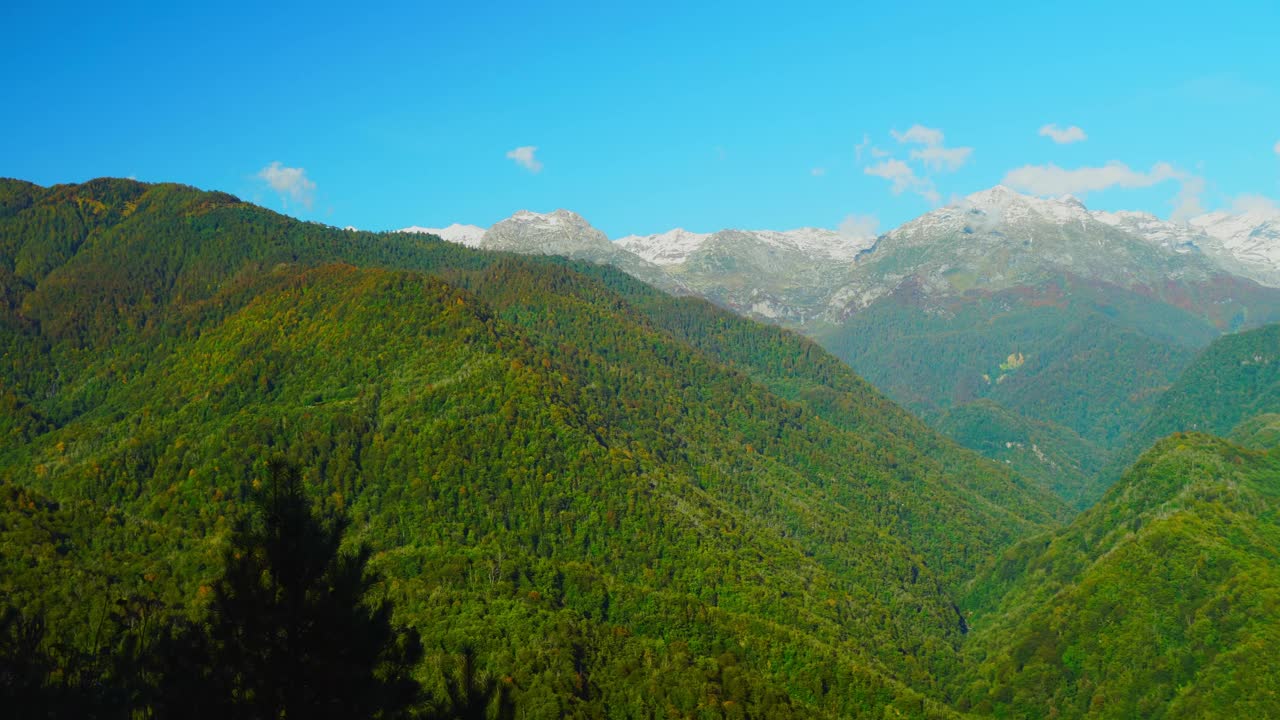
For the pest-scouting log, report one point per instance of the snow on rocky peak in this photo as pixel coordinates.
(672, 247)
(994, 209)
(1008, 205)
(1245, 243)
(818, 243)
(561, 232)
(1173, 236)
(1251, 238)
(1251, 229)
(468, 235)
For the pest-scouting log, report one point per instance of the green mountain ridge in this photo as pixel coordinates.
(1102, 310)
(1075, 367)
(545, 462)
(1102, 318)
(629, 504)
(1235, 378)
(1163, 600)
(1261, 432)
(1054, 456)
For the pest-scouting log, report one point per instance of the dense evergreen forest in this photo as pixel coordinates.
(1234, 380)
(1163, 600)
(583, 497)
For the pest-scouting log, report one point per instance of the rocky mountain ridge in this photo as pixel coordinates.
(989, 240)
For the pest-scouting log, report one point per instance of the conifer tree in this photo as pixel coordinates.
(289, 632)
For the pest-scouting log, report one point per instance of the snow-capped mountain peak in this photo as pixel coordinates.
(995, 238)
(1173, 236)
(818, 242)
(1072, 201)
(553, 218)
(560, 232)
(468, 235)
(1002, 203)
(669, 248)
(1251, 238)
(675, 247)
(996, 209)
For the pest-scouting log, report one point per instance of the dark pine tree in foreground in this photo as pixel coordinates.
(289, 633)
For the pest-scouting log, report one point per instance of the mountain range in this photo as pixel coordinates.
(621, 498)
(561, 233)
(780, 276)
(1058, 317)
(750, 271)
(622, 502)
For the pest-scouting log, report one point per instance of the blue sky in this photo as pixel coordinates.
(652, 116)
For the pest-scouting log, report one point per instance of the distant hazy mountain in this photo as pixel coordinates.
(1232, 380)
(672, 247)
(1067, 322)
(567, 234)
(1067, 317)
(990, 240)
(998, 239)
(561, 233)
(1251, 239)
(468, 235)
(1246, 244)
(676, 247)
(576, 472)
(786, 276)
(783, 276)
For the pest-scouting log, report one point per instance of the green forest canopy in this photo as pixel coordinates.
(627, 503)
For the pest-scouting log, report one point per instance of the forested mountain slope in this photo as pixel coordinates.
(631, 504)
(1235, 378)
(1161, 601)
(1073, 320)
(1068, 320)
(1053, 455)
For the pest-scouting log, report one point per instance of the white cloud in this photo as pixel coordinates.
(524, 157)
(865, 147)
(1256, 205)
(895, 171)
(1053, 180)
(1186, 204)
(1277, 147)
(818, 172)
(942, 159)
(290, 183)
(859, 226)
(1063, 136)
(903, 178)
(861, 147)
(934, 154)
(919, 135)
(989, 219)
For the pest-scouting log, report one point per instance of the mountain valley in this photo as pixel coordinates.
(1070, 320)
(632, 503)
